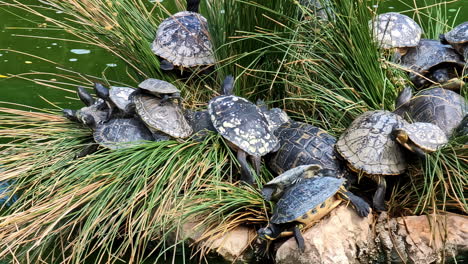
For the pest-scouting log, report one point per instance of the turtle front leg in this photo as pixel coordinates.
(361, 206)
(166, 65)
(246, 174)
(378, 200)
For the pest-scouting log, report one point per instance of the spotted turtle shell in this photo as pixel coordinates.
(183, 40)
(242, 123)
(157, 87)
(167, 118)
(303, 144)
(369, 145)
(394, 30)
(303, 197)
(428, 54)
(119, 132)
(438, 106)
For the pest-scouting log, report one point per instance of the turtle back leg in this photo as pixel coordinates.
(165, 65)
(361, 206)
(378, 200)
(246, 174)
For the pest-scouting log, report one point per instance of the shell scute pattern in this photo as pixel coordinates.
(438, 106)
(156, 86)
(393, 30)
(369, 146)
(167, 118)
(120, 96)
(302, 144)
(459, 34)
(303, 197)
(430, 53)
(117, 131)
(242, 123)
(183, 40)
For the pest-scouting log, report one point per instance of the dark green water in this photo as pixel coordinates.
(85, 58)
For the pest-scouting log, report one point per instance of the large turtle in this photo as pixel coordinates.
(308, 201)
(370, 148)
(458, 38)
(438, 106)
(395, 31)
(244, 125)
(183, 40)
(302, 144)
(161, 89)
(432, 60)
(167, 118)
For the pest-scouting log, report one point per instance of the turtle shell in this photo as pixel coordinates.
(167, 118)
(183, 40)
(276, 117)
(394, 30)
(302, 144)
(459, 34)
(157, 87)
(304, 197)
(118, 133)
(427, 136)
(120, 96)
(438, 106)
(242, 123)
(428, 54)
(369, 146)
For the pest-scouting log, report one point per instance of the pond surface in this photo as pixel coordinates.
(86, 58)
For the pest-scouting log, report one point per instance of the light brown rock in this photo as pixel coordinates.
(233, 246)
(342, 237)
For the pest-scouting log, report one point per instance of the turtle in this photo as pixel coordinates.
(421, 138)
(369, 147)
(183, 40)
(120, 133)
(433, 61)
(117, 99)
(244, 126)
(462, 129)
(395, 31)
(160, 88)
(436, 105)
(200, 122)
(274, 189)
(168, 118)
(458, 38)
(306, 202)
(95, 111)
(302, 144)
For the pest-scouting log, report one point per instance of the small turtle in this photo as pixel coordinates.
(117, 99)
(167, 118)
(183, 40)
(395, 31)
(421, 137)
(307, 202)
(160, 88)
(369, 147)
(458, 38)
(302, 144)
(120, 133)
(432, 60)
(438, 106)
(244, 125)
(274, 189)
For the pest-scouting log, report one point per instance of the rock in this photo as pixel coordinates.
(423, 239)
(342, 237)
(234, 245)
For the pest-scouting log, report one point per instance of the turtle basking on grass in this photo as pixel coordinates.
(395, 31)
(161, 89)
(434, 61)
(308, 201)
(244, 126)
(183, 40)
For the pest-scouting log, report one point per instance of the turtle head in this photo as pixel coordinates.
(270, 232)
(441, 75)
(404, 97)
(403, 138)
(70, 114)
(192, 5)
(228, 85)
